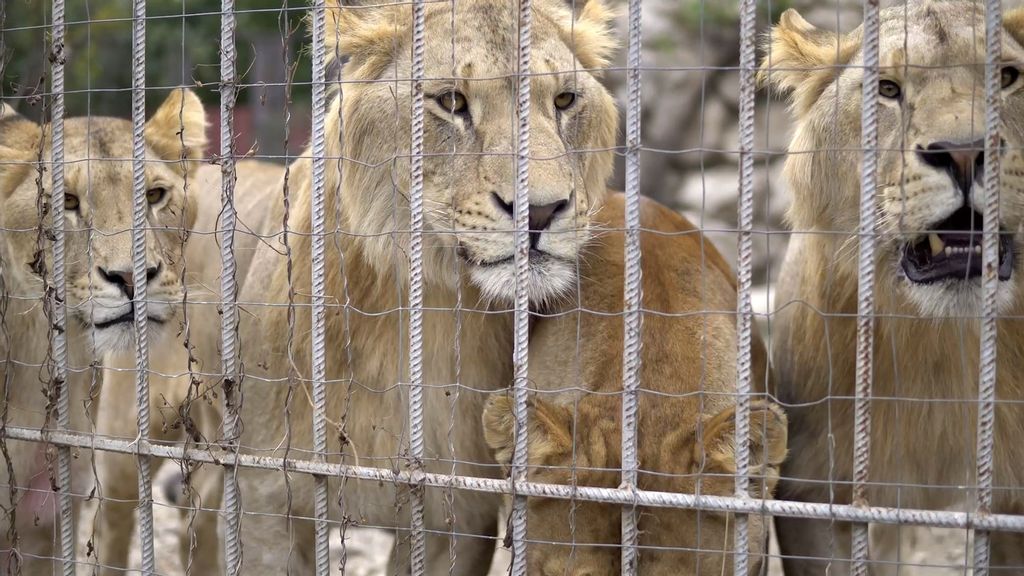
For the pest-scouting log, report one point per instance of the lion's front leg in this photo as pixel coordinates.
(475, 531)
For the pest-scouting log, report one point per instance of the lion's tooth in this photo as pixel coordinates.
(936, 244)
(977, 248)
(949, 251)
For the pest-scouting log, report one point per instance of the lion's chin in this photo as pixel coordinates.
(957, 298)
(550, 278)
(117, 336)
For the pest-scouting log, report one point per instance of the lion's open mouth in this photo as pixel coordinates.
(952, 251)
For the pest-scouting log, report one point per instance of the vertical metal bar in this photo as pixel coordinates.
(416, 449)
(58, 308)
(140, 208)
(318, 296)
(865, 283)
(989, 276)
(744, 272)
(520, 351)
(633, 290)
(228, 288)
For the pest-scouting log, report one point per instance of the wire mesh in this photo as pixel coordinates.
(379, 336)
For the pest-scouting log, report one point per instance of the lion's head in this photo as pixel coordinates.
(576, 537)
(470, 135)
(98, 213)
(931, 125)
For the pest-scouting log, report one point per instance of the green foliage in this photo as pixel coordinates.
(182, 48)
(691, 13)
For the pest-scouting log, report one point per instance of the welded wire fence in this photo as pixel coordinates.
(405, 326)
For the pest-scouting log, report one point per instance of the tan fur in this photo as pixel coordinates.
(98, 170)
(686, 414)
(183, 404)
(465, 265)
(925, 377)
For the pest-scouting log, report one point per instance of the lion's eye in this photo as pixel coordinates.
(1009, 76)
(155, 195)
(71, 202)
(453, 102)
(889, 89)
(565, 100)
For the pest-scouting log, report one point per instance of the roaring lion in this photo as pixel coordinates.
(928, 267)
(99, 280)
(469, 178)
(686, 407)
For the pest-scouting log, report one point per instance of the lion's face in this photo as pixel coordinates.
(931, 119)
(98, 214)
(584, 537)
(469, 163)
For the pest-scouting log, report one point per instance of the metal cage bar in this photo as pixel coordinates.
(57, 299)
(989, 278)
(633, 292)
(318, 292)
(865, 282)
(140, 209)
(744, 274)
(792, 509)
(416, 438)
(520, 354)
(232, 504)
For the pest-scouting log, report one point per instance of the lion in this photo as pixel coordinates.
(928, 269)
(686, 407)
(99, 281)
(468, 183)
(182, 400)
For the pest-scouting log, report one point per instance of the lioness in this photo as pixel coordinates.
(100, 283)
(469, 180)
(926, 348)
(182, 399)
(686, 415)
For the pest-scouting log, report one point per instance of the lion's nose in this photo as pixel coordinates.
(125, 279)
(963, 160)
(541, 215)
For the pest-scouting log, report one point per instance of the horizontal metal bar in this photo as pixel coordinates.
(823, 511)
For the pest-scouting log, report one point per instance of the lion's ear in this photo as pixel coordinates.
(1013, 22)
(15, 161)
(177, 130)
(550, 429)
(366, 34)
(767, 442)
(802, 59)
(591, 36)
